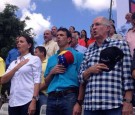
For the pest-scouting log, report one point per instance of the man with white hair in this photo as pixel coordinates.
(50, 45)
(105, 81)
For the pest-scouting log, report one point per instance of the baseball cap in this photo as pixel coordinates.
(110, 56)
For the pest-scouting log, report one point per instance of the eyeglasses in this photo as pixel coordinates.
(98, 24)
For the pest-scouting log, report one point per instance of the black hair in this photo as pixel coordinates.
(112, 21)
(41, 49)
(65, 30)
(77, 32)
(86, 39)
(72, 27)
(114, 28)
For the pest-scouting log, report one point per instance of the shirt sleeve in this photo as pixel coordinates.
(37, 69)
(83, 67)
(2, 67)
(126, 73)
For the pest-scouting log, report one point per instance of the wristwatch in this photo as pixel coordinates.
(35, 97)
(80, 102)
(127, 100)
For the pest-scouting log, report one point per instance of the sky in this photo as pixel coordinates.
(44, 14)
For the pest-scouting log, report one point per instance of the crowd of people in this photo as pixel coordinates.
(70, 70)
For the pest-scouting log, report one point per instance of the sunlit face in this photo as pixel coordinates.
(99, 29)
(23, 46)
(47, 35)
(62, 39)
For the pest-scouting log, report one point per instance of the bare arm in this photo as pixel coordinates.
(32, 106)
(133, 74)
(127, 105)
(77, 107)
(5, 78)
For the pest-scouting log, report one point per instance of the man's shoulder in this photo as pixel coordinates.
(13, 50)
(54, 56)
(82, 47)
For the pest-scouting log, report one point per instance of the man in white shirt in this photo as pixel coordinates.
(50, 45)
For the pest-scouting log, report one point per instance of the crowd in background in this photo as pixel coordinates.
(32, 77)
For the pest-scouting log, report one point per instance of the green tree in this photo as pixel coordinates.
(10, 27)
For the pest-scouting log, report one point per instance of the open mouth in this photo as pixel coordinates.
(94, 33)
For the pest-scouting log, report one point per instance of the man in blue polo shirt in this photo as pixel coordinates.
(61, 79)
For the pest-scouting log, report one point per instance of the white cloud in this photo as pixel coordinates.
(21, 3)
(28, 8)
(37, 22)
(95, 5)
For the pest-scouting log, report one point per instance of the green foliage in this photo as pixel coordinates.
(10, 27)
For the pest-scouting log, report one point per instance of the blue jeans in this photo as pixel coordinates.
(61, 105)
(117, 111)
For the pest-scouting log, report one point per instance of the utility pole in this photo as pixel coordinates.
(110, 10)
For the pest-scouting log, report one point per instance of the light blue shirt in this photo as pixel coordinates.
(124, 29)
(12, 55)
(80, 48)
(69, 78)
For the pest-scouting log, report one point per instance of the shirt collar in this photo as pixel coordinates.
(24, 57)
(107, 40)
(49, 42)
(69, 48)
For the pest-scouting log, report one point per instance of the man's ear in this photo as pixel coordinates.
(69, 40)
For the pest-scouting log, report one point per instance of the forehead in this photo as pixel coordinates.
(61, 32)
(22, 38)
(47, 31)
(54, 28)
(97, 20)
(36, 49)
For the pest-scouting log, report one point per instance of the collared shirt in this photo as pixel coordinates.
(69, 78)
(51, 48)
(12, 55)
(105, 90)
(22, 83)
(80, 48)
(130, 37)
(2, 67)
(124, 29)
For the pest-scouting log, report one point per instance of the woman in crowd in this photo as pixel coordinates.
(113, 34)
(25, 78)
(83, 40)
